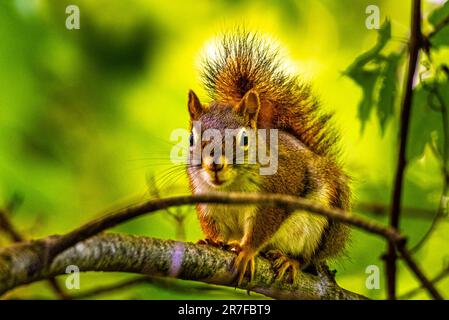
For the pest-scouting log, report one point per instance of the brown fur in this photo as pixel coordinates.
(245, 61)
(249, 89)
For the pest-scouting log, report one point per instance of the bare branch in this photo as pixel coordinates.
(418, 273)
(381, 209)
(415, 45)
(440, 276)
(111, 288)
(21, 264)
(8, 228)
(58, 245)
(43, 249)
(177, 214)
(110, 220)
(442, 156)
(170, 284)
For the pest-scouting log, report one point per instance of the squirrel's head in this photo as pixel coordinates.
(216, 127)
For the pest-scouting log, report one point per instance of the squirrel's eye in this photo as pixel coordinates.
(191, 140)
(244, 139)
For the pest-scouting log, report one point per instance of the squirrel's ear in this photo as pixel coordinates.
(249, 106)
(195, 107)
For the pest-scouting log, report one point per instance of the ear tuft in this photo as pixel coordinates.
(195, 107)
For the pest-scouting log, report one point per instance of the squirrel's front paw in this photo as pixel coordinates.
(245, 259)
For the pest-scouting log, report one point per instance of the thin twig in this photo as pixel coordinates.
(177, 214)
(9, 229)
(291, 202)
(443, 157)
(381, 209)
(415, 44)
(111, 288)
(440, 276)
(163, 283)
(57, 289)
(437, 218)
(418, 273)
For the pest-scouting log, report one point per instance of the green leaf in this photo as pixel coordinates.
(388, 90)
(366, 79)
(426, 122)
(384, 33)
(443, 89)
(383, 36)
(418, 131)
(441, 38)
(439, 14)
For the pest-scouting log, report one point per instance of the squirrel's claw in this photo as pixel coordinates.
(244, 259)
(283, 263)
(210, 242)
(233, 246)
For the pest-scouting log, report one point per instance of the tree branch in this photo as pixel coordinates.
(380, 209)
(442, 156)
(111, 288)
(91, 228)
(21, 264)
(50, 247)
(163, 283)
(7, 227)
(440, 276)
(419, 274)
(415, 45)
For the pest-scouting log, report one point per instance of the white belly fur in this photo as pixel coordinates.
(230, 219)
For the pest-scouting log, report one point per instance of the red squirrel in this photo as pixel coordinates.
(250, 90)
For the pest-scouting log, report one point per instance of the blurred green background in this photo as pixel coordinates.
(86, 116)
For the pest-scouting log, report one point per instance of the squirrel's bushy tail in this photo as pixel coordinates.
(243, 61)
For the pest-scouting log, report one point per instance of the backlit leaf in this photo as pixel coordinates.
(388, 90)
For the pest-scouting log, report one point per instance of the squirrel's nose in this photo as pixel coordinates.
(214, 165)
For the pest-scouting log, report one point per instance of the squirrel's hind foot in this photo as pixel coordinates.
(282, 264)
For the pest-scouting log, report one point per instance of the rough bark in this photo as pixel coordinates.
(22, 264)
